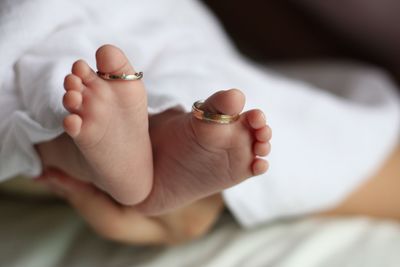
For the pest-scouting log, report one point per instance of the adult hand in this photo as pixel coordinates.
(114, 221)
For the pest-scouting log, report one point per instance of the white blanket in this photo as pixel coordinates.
(328, 137)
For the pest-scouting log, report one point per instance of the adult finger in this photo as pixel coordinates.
(107, 217)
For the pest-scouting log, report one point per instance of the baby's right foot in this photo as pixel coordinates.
(108, 122)
(194, 159)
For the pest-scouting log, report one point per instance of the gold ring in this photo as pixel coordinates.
(125, 77)
(212, 117)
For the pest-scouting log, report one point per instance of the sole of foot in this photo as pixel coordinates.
(194, 159)
(108, 122)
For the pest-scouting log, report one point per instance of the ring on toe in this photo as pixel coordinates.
(123, 76)
(212, 117)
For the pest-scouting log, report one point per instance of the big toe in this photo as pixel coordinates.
(229, 102)
(112, 60)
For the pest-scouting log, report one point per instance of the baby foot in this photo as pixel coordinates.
(108, 122)
(194, 159)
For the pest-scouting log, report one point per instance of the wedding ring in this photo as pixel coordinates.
(123, 76)
(212, 117)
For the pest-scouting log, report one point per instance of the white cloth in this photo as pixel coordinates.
(325, 142)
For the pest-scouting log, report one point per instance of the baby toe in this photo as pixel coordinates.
(263, 134)
(256, 119)
(112, 60)
(72, 125)
(72, 100)
(73, 82)
(229, 102)
(259, 166)
(81, 69)
(261, 149)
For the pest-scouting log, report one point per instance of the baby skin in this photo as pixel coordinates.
(157, 163)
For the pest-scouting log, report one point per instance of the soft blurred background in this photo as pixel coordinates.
(38, 230)
(273, 30)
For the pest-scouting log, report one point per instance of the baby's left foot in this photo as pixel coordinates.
(108, 123)
(194, 159)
